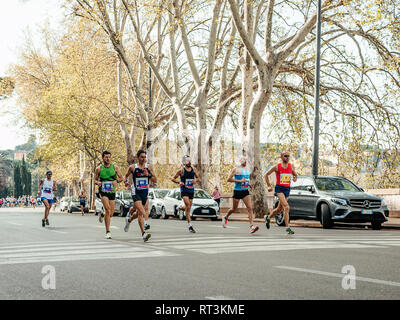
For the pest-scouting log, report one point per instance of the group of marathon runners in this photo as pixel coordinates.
(22, 201)
(139, 176)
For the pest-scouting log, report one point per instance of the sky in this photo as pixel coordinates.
(16, 16)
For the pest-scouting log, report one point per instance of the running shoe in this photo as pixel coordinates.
(146, 236)
(289, 231)
(224, 222)
(192, 230)
(267, 221)
(47, 222)
(127, 225)
(43, 223)
(253, 229)
(101, 218)
(108, 235)
(146, 226)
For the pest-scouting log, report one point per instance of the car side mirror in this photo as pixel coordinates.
(311, 189)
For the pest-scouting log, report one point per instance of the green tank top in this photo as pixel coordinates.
(107, 176)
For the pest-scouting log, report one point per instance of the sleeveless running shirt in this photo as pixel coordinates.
(187, 179)
(107, 176)
(284, 176)
(242, 186)
(47, 189)
(140, 180)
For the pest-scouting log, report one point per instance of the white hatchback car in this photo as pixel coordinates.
(204, 206)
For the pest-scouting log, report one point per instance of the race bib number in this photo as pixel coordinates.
(47, 190)
(189, 183)
(286, 178)
(142, 183)
(246, 184)
(107, 186)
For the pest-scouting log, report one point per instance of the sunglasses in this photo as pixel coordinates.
(286, 156)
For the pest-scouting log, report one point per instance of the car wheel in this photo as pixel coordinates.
(164, 213)
(182, 215)
(70, 210)
(280, 220)
(153, 213)
(124, 211)
(326, 219)
(376, 225)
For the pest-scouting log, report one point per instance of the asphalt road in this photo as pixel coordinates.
(214, 263)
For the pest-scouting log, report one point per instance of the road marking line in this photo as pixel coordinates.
(112, 227)
(219, 298)
(56, 242)
(230, 243)
(227, 227)
(14, 223)
(56, 231)
(283, 248)
(72, 252)
(341, 275)
(42, 249)
(126, 255)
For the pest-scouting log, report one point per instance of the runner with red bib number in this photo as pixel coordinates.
(284, 172)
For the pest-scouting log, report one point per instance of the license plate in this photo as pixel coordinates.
(366, 211)
(205, 211)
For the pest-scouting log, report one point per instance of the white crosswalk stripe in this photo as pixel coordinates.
(231, 244)
(75, 250)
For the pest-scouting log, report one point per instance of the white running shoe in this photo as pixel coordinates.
(108, 235)
(146, 236)
(224, 222)
(127, 225)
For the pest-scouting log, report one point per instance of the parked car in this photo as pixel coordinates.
(123, 201)
(64, 203)
(204, 206)
(156, 197)
(333, 199)
(75, 205)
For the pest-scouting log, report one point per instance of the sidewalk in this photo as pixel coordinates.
(392, 223)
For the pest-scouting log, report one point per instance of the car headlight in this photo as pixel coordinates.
(383, 203)
(342, 202)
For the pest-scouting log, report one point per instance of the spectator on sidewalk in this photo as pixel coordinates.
(216, 195)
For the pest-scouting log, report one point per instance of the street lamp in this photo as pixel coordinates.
(316, 97)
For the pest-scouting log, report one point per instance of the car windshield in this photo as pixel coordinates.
(337, 184)
(200, 194)
(127, 195)
(74, 199)
(161, 193)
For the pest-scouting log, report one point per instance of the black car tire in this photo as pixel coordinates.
(164, 213)
(124, 211)
(181, 215)
(279, 219)
(153, 213)
(70, 210)
(326, 219)
(376, 225)
(86, 210)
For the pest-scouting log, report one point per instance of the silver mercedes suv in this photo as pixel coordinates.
(333, 199)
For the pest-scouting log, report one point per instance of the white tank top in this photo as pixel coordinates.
(47, 189)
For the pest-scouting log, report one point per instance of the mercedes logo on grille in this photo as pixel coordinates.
(366, 204)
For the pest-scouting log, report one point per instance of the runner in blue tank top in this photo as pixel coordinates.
(188, 178)
(241, 177)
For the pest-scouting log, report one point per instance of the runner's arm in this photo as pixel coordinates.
(269, 172)
(96, 176)
(197, 179)
(126, 177)
(178, 174)
(119, 174)
(153, 176)
(231, 178)
(294, 174)
(40, 185)
(54, 185)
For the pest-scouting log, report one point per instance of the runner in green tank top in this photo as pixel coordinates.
(106, 177)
